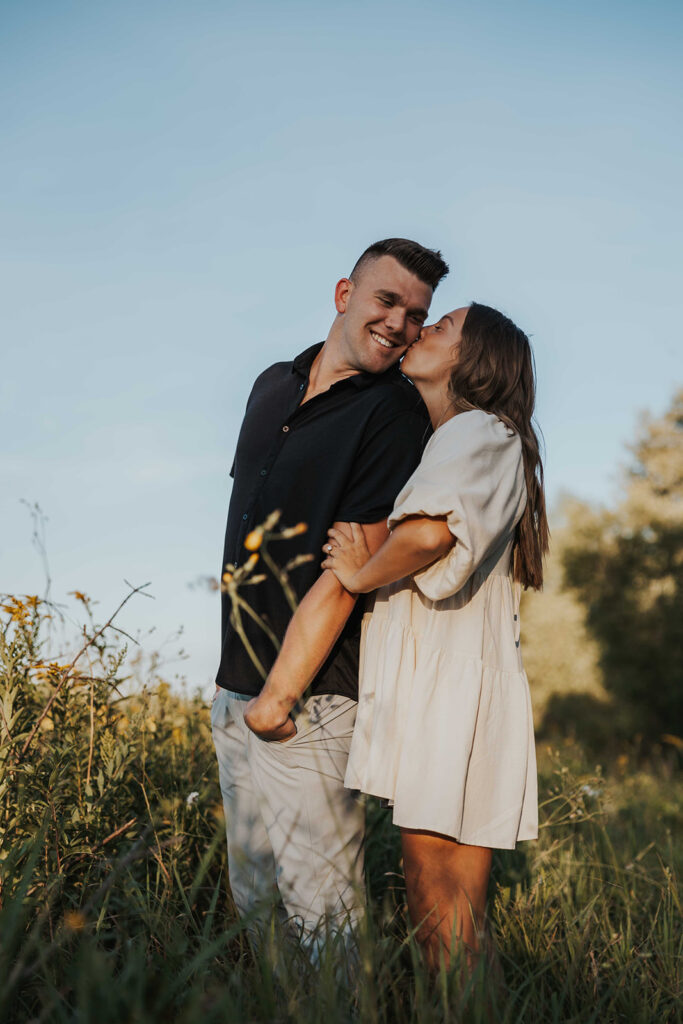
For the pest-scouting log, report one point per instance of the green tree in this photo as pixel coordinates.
(626, 566)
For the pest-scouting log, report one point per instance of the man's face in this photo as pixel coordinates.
(383, 312)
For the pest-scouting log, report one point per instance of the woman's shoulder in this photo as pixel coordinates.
(472, 430)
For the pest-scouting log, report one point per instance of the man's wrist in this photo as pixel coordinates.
(280, 693)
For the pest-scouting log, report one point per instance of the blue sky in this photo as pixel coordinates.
(182, 185)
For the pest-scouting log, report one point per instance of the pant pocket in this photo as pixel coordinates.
(216, 703)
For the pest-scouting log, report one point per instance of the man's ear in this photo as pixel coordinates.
(341, 294)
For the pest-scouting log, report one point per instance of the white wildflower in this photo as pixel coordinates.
(192, 798)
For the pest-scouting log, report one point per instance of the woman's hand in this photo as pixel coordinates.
(345, 553)
(269, 719)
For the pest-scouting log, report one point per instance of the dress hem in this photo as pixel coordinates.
(462, 837)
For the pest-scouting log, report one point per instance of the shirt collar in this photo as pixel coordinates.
(303, 362)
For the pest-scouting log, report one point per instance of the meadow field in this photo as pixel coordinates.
(114, 896)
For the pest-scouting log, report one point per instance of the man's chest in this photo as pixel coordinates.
(301, 438)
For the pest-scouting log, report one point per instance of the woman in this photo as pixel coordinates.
(444, 728)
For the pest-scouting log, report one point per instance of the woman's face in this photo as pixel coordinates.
(430, 359)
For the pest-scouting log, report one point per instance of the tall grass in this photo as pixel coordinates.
(115, 901)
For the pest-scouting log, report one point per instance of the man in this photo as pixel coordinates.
(329, 437)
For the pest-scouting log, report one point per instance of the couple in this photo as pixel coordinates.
(443, 535)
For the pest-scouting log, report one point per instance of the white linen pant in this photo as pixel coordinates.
(292, 827)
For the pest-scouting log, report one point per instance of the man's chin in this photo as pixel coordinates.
(382, 360)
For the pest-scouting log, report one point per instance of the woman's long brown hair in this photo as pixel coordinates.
(495, 372)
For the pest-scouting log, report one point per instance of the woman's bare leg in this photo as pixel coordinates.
(446, 885)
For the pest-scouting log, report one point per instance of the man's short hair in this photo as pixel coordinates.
(427, 264)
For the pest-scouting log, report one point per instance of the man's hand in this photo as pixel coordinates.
(269, 719)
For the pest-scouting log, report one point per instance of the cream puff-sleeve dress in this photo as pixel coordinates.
(444, 729)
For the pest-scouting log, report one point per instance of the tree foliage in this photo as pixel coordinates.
(626, 566)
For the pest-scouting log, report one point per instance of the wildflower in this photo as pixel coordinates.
(272, 520)
(17, 610)
(192, 798)
(251, 562)
(591, 791)
(74, 920)
(48, 670)
(294, 531)
(254, 539)
(218, 812)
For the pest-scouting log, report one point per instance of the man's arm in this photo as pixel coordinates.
(311, 635)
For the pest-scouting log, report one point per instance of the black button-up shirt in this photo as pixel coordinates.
(343, 455)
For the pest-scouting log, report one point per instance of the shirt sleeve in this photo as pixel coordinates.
(389, 454)
(253, 391)
(472, 473)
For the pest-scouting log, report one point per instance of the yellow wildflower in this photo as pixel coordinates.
(74, 920)
(17, 610)
(218, 812)
(254, 540)
(294, 531)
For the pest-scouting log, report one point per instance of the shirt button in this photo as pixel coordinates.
(285, 429)
(245, 516)
(263, 472)
(301, 387)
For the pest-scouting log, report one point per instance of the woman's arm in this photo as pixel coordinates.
(415, 542)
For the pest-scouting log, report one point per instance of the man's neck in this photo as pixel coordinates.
(328, 367)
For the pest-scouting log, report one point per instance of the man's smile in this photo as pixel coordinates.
(381, 340)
